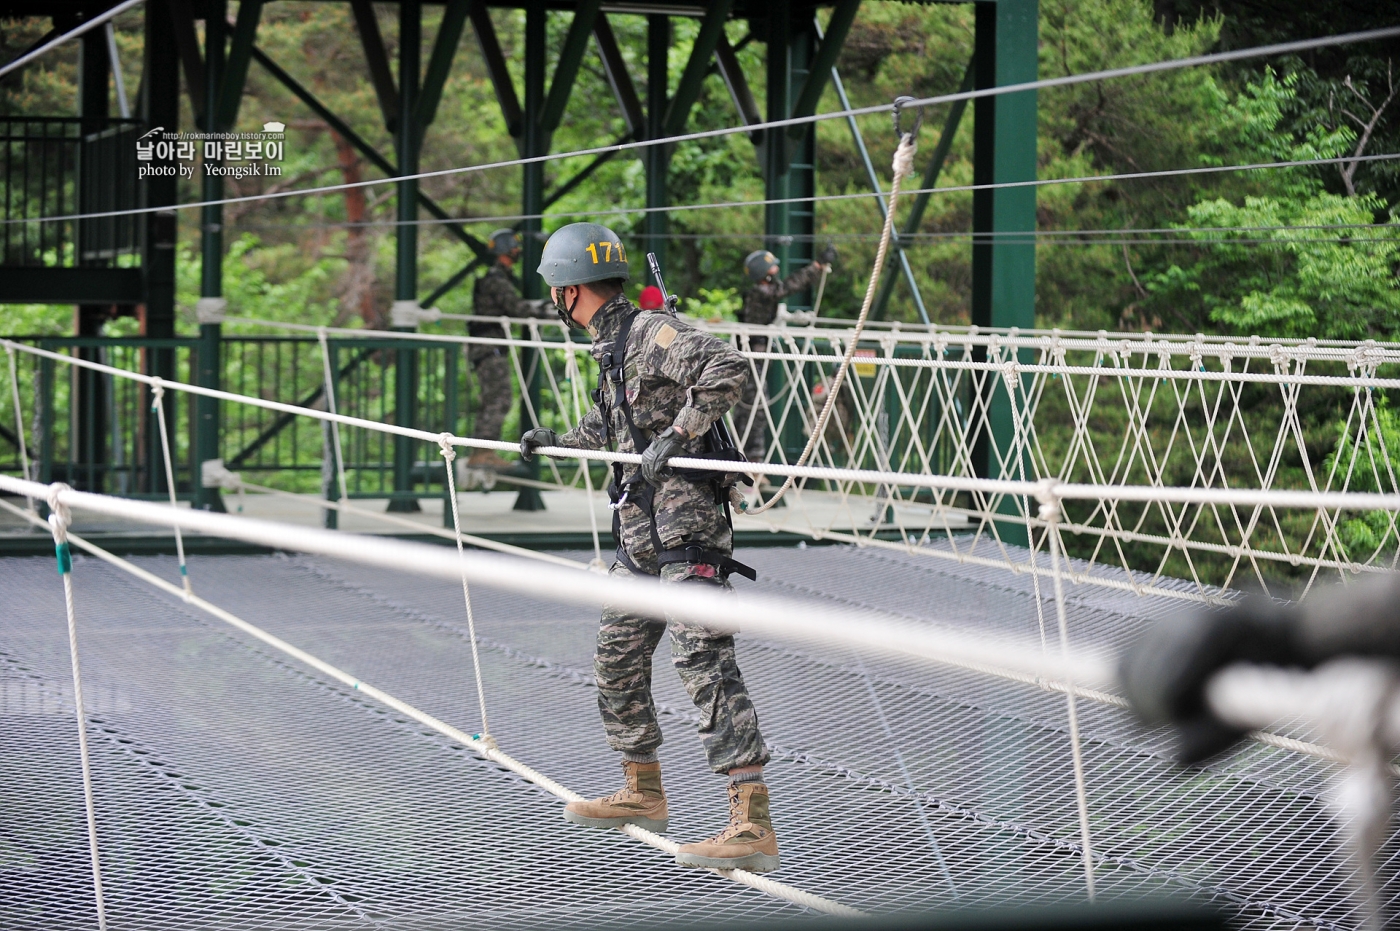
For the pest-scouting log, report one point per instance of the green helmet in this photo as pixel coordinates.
(504, 242)
(583, 252)
(758, 264)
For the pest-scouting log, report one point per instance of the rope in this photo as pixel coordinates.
(1067, 80)
(330, 406)
(575, 377)
(58, 523)
(449, 455)
(903, 167)
(157, 405)
(19, 417)
(1050, 511)
(68, 36)
(478, 744)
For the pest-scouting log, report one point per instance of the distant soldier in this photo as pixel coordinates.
(650, 298)
(496, 295)
(663, 385)
(761, 308)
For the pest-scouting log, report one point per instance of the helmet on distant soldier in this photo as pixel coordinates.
(504, 242)
(759, 263)
(581, 253)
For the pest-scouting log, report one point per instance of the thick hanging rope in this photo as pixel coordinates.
(58, 524)
(158, 405)
(903, 167)
(19, 419)
(449, 455)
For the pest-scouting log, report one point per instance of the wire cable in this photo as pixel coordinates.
(69, 36)
(1068, 80)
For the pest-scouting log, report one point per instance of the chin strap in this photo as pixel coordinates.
(566, 314)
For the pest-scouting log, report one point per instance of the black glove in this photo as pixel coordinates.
(827, 255)
(1164, 674)
(663, 446)
(534, 439)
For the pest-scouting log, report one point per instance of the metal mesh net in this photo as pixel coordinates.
(236, 789)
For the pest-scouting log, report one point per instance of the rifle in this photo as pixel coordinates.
(668, 300)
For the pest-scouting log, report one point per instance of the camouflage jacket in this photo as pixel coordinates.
(673, 375)
(496, 294)
(761, 301)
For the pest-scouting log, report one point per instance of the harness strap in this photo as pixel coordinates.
(642, 493)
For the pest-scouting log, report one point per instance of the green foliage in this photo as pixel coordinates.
(715, 304)
(1296, 262)
(1368, 462)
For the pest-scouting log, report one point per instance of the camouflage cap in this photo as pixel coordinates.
(758, 262)
(583, 252)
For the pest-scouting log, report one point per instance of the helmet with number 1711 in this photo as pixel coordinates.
(583, 252)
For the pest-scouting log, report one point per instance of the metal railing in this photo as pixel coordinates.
(59, 166)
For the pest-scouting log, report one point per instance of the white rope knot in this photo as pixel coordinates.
(59, 515)
(904, 157)
(157, 392)
(449, 452)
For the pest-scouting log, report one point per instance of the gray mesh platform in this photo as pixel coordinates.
(236, 789)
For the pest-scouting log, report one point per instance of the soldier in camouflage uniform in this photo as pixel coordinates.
(761, 308)
(675, 382)
(495, 295)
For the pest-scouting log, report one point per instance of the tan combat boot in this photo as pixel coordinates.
(748, 843)
(641, 802)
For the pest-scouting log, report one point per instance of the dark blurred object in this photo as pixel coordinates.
(827, 255)
(1164, 674)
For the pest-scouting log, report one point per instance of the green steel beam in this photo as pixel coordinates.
(1003, 272)
(377, 60)
(935, 167)
(449, 36)
(570, 57)
(496, 67)
(583, 173)
(187, 47)
(619, 78)
(820, 72)
(477, 246)
(535, 142)
(235, 70)
(406, 248)
(436, 294)
(732, 73)
(693, 78)
(657, 158)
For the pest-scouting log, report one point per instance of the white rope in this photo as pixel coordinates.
(158, 406)
(449, 456)
(483, 748)
(58, 524)
(330, 406)
(1277, 498)
(19, 418)
(813, 623)
(1049, 511)
(903, 167)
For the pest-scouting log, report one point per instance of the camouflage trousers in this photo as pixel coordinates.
(707, 666)
(493, 387)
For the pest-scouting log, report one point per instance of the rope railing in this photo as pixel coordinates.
(1044, 488)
